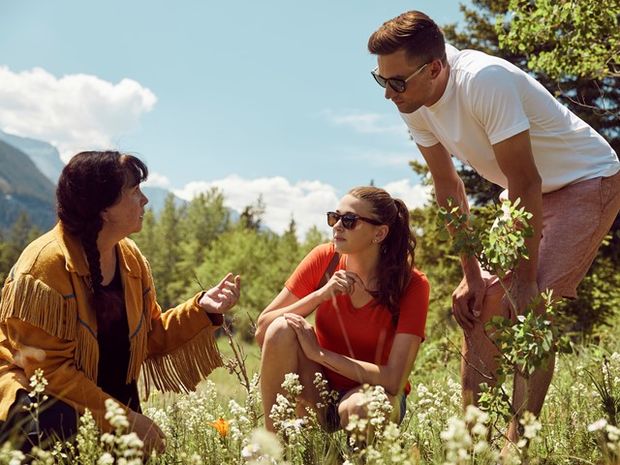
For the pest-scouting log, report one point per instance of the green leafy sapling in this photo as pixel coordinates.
(496, 237)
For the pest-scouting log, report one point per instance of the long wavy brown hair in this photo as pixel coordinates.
(396, 259)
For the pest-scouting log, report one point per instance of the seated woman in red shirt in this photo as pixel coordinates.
(370, 313)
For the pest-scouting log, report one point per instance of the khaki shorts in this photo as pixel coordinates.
(576, 219)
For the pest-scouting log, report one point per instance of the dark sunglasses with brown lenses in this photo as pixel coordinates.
(399, 85)
(349, 220)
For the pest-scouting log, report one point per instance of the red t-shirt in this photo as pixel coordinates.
(364, 333)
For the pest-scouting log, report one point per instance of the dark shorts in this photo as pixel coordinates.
(332, 417)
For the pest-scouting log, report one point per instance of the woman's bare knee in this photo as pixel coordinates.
(279, 334)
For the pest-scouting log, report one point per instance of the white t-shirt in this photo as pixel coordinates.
(488, 100)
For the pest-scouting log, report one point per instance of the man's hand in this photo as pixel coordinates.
(223, 297)
(467, 301)
(521, 295)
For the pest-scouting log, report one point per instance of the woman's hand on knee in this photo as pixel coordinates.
(305, 335)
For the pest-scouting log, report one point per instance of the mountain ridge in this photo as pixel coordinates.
(44, 155)
(29, 172)
(24, 188)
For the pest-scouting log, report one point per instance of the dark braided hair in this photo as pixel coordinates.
(396, 259)
(90, 183)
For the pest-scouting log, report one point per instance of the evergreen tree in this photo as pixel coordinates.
(146, 239)
(205, 219)
(587, 42)
(13, 242)
(314, 236)
(252, 215)
(289, 238)
(167, 254)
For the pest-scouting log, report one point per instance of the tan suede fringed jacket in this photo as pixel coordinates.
(45, 306)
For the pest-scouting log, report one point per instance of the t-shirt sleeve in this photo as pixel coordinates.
(308, 273)
(497, 104)
(419, 130)
(414, 306)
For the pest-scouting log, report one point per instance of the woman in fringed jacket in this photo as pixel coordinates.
(80, 305)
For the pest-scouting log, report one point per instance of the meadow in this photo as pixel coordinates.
(221, 423)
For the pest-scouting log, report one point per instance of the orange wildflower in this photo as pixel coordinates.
(221, 426)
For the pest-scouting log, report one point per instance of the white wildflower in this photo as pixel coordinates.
(263, 448)
(105, 459)
(116, 415)
(531, 425)
(597, 425)
(613, 433)
(291, 384)
(457, 441)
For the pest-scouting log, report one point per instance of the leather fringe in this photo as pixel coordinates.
(183, 369)
(138, 347)
(87, 352)
(34, 302)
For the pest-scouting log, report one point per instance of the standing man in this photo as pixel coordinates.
(498, 119)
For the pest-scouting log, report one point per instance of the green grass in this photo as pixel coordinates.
(227, 383)
(572, 405)
(432, 432)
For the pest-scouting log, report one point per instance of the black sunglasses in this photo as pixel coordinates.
(399, 85)
(349, 220)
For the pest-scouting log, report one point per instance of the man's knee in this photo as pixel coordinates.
(492, 304)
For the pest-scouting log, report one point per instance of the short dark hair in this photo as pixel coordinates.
(414, 32)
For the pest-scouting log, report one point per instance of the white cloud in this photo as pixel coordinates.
(306, 201)
(367, 123)
(74, 112)
(414, 195)
(157, 180)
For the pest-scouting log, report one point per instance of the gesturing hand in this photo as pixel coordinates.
(305, 335)
(341, 282)
(224, 296)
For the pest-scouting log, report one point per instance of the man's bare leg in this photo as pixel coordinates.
(478, 363)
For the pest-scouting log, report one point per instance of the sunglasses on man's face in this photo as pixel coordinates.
(348, 220)
(399, 85)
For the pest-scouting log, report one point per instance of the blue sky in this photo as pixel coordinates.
(271, 98)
